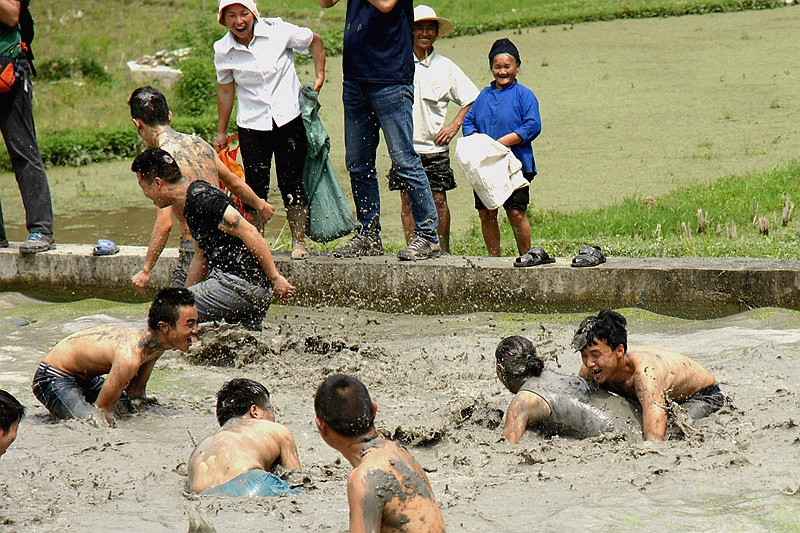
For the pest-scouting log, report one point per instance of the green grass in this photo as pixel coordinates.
(111, 32)
(653, 227)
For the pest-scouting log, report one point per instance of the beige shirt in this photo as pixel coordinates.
(437, 82)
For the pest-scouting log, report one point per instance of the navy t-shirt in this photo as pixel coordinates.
(205, 206)
(378, 46)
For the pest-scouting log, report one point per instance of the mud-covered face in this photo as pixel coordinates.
(7, 437)
(240, 22)
(512, 383)
(601, 360)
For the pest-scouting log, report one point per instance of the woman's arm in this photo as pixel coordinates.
(226, 92)
(317, 49)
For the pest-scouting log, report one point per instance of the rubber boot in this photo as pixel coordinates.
(298, 222)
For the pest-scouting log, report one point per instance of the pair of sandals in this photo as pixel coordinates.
(588, 256)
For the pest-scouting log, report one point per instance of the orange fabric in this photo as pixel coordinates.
(231, 156)
(8, 76)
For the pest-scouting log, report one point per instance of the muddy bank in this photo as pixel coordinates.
(433, 381)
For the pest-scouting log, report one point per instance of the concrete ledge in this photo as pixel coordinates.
(692, 288)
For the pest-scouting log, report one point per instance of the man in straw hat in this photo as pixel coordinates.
(437, 82)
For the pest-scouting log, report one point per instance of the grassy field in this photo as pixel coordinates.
(661, 107)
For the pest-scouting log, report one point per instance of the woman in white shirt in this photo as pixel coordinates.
(255, 63)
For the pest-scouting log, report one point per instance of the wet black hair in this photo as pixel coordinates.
(344, 404)
(237, 396)
(166, 307)
(608, 326)
(149, 105)
(11, 411)
(517, 361)
(156, 163)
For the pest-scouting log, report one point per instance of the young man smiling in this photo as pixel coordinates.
(655, 377)
(69, 379)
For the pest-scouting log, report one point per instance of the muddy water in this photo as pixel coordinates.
(433, 381)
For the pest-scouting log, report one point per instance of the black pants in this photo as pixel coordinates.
(289, 145)
(19, 134)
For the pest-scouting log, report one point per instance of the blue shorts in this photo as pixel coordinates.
(255, 482)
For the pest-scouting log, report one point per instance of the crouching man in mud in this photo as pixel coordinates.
(555, 404)
(243, 275)
(387, 490)
(235, 460)
(656, 378)
(69, 380)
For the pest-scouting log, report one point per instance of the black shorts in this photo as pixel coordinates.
(438, 169)
(518, 200)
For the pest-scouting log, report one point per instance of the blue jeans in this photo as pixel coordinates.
(225, 296)
(369, 107)
(19, 134)
(65, 395)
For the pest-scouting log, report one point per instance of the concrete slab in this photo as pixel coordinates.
(686, 287)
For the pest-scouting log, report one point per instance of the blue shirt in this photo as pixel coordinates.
(377, 46)
(512, 109)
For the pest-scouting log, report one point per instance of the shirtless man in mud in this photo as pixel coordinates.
(69, 380)
(235, 460)
(387, 490)
(656, 378)
(197, 161)
(555, 404)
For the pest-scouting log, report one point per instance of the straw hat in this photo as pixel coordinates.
(422, 13)
(249, 4)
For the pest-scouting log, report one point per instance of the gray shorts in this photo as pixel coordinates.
(228, 297)
(437, 168)
(181, 271)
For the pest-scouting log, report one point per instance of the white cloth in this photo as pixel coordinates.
(437, 81)
(267, 86)
(490, 168)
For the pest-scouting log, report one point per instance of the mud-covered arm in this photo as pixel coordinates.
(138, 385)
(289, 457)
(654, 412)
(233, 224)
(366, 511)
(158, 240)
(198, 269)
(122, 372)
(526, 409)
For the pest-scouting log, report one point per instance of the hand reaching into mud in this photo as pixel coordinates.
(101, 419)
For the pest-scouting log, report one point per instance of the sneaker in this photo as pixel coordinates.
(36, 242)
(360, 245)
(419, 248)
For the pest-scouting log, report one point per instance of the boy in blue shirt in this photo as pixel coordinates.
(509, 113)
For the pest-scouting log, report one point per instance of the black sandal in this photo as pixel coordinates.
(589, 256)
(535, 257)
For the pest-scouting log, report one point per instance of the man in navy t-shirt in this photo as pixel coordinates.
(232, 275)
(378, 93)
